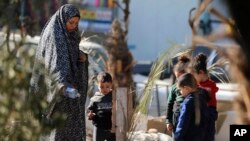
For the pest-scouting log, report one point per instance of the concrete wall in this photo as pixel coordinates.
(156, 23)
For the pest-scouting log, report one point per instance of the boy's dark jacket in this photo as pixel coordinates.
(101, 105)
(193, 106)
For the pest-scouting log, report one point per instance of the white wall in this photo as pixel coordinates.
(156, 23)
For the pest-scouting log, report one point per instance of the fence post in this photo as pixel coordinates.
(121, 113)
(157, 100)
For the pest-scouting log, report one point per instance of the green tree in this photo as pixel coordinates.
(18, 116)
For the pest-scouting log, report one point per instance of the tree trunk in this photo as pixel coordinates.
(241, 58)
(120, 66)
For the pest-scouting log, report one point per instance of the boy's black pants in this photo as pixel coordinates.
(103, 135)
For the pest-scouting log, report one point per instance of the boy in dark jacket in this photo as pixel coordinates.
(201, 74)
(191, 124)
(100, 109)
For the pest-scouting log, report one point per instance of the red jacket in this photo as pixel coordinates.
(211, 87)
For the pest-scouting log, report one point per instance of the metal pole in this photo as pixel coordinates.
(157, 100)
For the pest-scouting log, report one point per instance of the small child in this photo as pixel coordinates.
(100, 109)
(175, 98)
(192, 121)
(200, 72)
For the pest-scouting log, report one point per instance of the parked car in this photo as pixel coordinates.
(219, 73)
(97, 55)
(144, 68)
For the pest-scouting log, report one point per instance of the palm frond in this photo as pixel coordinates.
(155, 73)
(220, 74)
(217, 69)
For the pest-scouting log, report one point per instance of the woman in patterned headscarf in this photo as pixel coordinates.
(64, 69)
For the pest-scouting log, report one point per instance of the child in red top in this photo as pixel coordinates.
(199, 70)
(211, 87)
